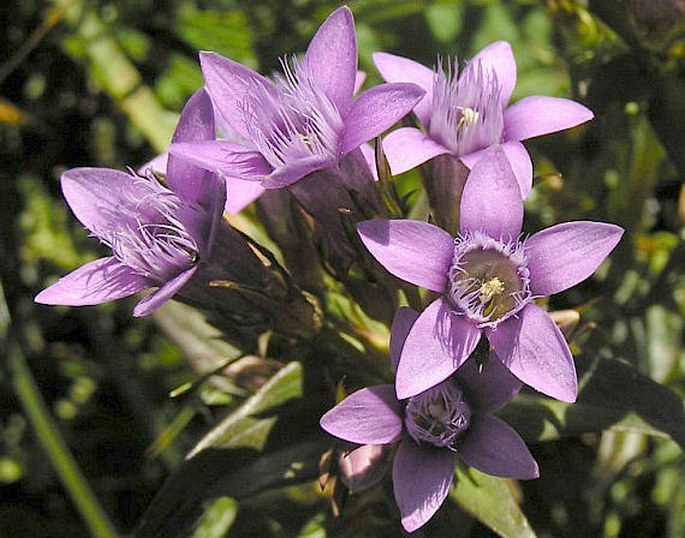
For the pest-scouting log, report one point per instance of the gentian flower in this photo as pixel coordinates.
(464, 114)
(434, 428)
(488, 277)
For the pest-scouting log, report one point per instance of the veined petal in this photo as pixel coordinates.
(158, 297)
(398, 69)
(295, 170)
(401, 324)
(539, 115)
(331, 58)
(489, 386)
(240, 194)
(421, 480)
(228, 83)
(519, 159)
(438, 343)
(491, 202)
(96, 282)
(370, 416)
(499, 57)
(224, 158)
(564, 255)
(493, 447)
(535, 351)
(414, 251)
(408, 147)
(375, 111)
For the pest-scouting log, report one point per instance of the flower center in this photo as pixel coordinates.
(438, 416)
(468, 117)
(488, 279)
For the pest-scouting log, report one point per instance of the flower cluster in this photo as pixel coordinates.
(304, 133)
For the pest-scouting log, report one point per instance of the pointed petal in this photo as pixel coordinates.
(97, 282)
(401, 324)
(535, 351)
(408, 147)
(158, 297)
(438, 343)
(331, 58)
(499, 57)
(158, 163)
(490, 387)
(398, 69)
(414, 251)
(421, 480)
(375, 111)
(196, 124)
(359, 80)
(293, 171)
(369, 154)
(240, 194)
(224, 158)
(228, 83)
(564, 255)
(493, 447)
(370, 416)
(539, 115)
(521, 164)
(491, 201)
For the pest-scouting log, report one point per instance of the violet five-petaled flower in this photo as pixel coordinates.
(448, 421)
(464, 114)
(488, 277)
(304, 120)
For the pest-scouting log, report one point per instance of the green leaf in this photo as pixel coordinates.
(218, 518)
(492, 501)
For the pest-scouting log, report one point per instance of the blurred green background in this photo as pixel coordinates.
(94, 83)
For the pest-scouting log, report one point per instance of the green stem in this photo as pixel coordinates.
(47, 433)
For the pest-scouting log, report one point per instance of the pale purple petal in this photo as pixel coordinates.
(535, 351)
(499, 58)
(229, 83)
(421, 480)
(566, 254)
(369, 153)
(490, 386)
(539, 115)
(401, 324)
(521, 164)
(375, 111)
(491, 202)
(370, 416)
(398, 69)
(241, 193)
(195, 124)
(97, 282)
(359, 80)
(408, 147)
(224, 158)
(158, 297)
(414, 251)
(438, 343)
(293, 171)
(158, 163)
(493, 447)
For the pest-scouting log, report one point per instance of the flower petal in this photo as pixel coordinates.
(158, 297)
(564, 255)
(97, 282)
(401, 324)
(414, 251)
(398, 69)
(240, 194)
(490, 386)
(359, 80)
(375, 111)
(499, 57)
(370, 416)
(491, 202)
(519, 159)
(438, 343)
(408, 147)
(228, 83)
(331, 58)
(538, 115)
(224, 158)
(158, 163)
(493, 447)
(295, 170)
(535, 351)
(421, 480)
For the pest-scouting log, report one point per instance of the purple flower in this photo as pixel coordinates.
(488, 277)
(434, 428)
(465, 114)
(304, 120)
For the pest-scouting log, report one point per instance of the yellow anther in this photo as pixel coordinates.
(468, 117)
(490, 290)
